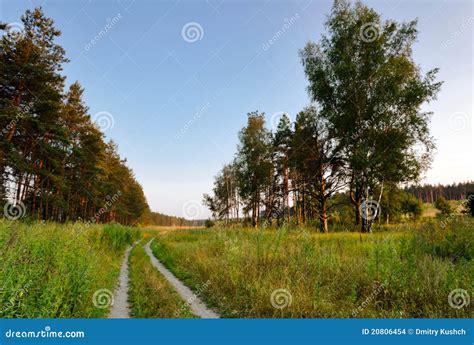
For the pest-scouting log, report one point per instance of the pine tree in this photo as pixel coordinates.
(53, 159)
(282, 148)
(254, 163)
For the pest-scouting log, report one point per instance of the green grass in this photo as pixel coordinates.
(52, 270)
(407, 271)
(150, 295)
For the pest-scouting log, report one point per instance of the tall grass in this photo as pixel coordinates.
(408, 271)
(150, 294)
(52, 270)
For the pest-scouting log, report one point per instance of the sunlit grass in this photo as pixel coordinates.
(150, 294)
(52, 270)
(405, 272)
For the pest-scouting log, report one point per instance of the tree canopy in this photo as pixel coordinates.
(364, 129)
(368, 88)
(54, 161)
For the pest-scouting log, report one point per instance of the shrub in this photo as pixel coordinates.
(470, 204)
(444, 206)
(209, 223)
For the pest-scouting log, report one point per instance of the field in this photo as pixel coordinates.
(408, 271)
(69, 271)
(59, 271)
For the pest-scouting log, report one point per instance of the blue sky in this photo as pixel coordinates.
(177, 106)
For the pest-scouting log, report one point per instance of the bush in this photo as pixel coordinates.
(444, 206)
(118, 236)
(451, 241)
(209, 223)
(470, 204)
(412, 206)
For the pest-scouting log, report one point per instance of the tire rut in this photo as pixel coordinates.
(195, 304)
(121, 308)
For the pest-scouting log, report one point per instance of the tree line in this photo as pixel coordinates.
(160, 219)
(430, 193)
(363, 133)
(54, 161)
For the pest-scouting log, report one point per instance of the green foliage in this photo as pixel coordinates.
(53, 158)
(160, 251)
(160, 219)
(430, 192)
(370, 91)
(470, 204)
(52, 271)
(150, 294)
(452, 241)
(209, 223)
(224, 202)
(408, 270)
(412, 206)
(398, 205)
(444, 206)
(341, 217)
(254, 162)
(118, 237)
(365, 130)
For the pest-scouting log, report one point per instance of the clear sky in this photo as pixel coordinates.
(176, 94)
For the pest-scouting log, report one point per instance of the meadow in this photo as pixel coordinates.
(53, 270)
(151, 296)
(402, 271)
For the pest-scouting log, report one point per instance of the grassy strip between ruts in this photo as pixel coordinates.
(407, 272)
(51, 270)
(150, 295)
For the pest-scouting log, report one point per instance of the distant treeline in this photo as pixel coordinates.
(159, 219)
(54, 161)
(430, 193)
